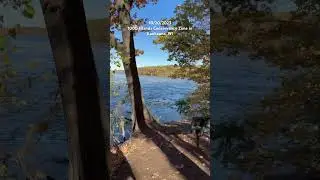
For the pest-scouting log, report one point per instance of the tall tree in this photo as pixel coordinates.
(78, 81)
(121, 19)
(190, 49)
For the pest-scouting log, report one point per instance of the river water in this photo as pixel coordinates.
(238, 83)
(33, 57)
(160, 96)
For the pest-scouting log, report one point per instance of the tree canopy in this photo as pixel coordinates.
(285, 124)
(190, 50)
(7, 71)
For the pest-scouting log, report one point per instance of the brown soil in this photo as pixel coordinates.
(163, 152)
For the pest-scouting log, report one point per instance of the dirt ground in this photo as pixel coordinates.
(164, 152)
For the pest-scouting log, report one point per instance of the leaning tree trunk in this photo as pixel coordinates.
(78, 81)
(131, 71)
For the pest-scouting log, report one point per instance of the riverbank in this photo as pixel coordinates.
(160, 94)
(169, 142)
(171, 145)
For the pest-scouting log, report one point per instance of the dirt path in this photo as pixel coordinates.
(166, 152)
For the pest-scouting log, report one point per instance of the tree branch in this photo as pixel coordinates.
(115, 43)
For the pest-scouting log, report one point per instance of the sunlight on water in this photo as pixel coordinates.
(160, 94)
(238, 83)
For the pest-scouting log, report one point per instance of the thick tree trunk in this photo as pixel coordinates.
(131, 71)
(78, 81)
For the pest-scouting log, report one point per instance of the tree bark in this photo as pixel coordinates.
(78, 82)
(131, 71)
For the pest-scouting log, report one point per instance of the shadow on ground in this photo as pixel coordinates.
(190, 162)
(190, 170)
(121, 169)
(180, 133)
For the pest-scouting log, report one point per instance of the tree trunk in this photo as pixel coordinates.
(146, 112)
(78, 81)
(131, 71)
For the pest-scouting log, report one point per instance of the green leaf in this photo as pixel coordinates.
(27, 2)
(6, 59)
(3, 42)
(3, 170)
(28, 11)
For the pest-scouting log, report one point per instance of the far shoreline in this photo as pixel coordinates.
(166, 71)
(96, 29)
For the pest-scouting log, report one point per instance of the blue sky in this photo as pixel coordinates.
(97, 9)
(153, 55)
